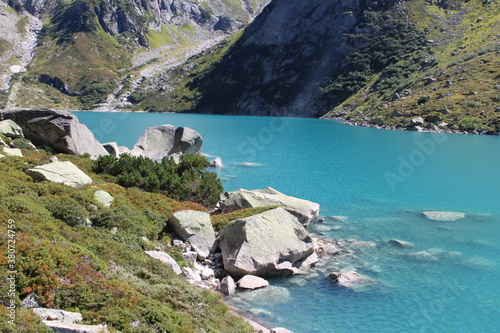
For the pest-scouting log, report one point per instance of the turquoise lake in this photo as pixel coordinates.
(381, 180)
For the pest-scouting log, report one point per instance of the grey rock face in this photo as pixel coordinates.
(187, 141)
(196, 228)
(11, 129)
(227, 286)
(165, 258)
(111, 148)
(304, 210)
(155, 142)
(58, 130)
(164, 141)
(60, 172)
(216, 163)
(270, 243)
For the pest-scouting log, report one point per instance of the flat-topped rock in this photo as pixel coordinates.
(304, 210)
(251, 282)
(60, 172)
(61, 327)
(59, 315)
(443, 216)
(12, 152)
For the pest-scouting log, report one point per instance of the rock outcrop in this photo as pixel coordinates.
(58, 326)
(60, 172)
(165, 141)
(227, 286)
(304, 210)
(270, 243)
(196, 228)
(59, 130)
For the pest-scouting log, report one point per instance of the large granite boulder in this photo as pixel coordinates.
(155, 142)
(251, 282)
(163, 141)
(60, 172)
(304, 210)
(270, 243)
(11, 129)
(187, 141)
(196, 228)
(58, 130)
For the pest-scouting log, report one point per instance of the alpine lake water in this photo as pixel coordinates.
(381, 180)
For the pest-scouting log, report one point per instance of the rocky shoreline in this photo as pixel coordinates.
(415, 126)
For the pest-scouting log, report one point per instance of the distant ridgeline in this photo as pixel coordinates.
(377, 63)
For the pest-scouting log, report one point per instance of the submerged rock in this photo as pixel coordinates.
(348, 279)
(60, 172)
(422, 256)
(443, 216)
(270, 243)
(251, 282)
(196, 228)
(59, 130)
(304, 210)
(400, 243)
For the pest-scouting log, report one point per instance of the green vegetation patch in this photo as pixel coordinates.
(220, 221)
(99, 270)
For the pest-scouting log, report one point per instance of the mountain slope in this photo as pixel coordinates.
(90, 51)
(374, 63)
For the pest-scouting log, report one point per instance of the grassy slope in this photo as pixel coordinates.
(467, 52)
(104, 275)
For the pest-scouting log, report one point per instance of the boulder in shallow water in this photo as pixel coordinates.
(443, 216)
(60, 172)
(216, 163)
(251, 282)
(304, 210)
(187, 141)
(280, 330)
(348, 279)
(270, 243)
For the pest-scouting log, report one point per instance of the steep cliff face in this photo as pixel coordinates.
(376, 63)
(277, 66)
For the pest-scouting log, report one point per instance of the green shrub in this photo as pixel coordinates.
(187, 180)
(469, 124)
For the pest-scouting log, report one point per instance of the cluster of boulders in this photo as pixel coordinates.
(62, 132)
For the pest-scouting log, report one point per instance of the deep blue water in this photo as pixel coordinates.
(381, 180)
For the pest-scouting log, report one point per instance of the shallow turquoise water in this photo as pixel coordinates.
(381, 180)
